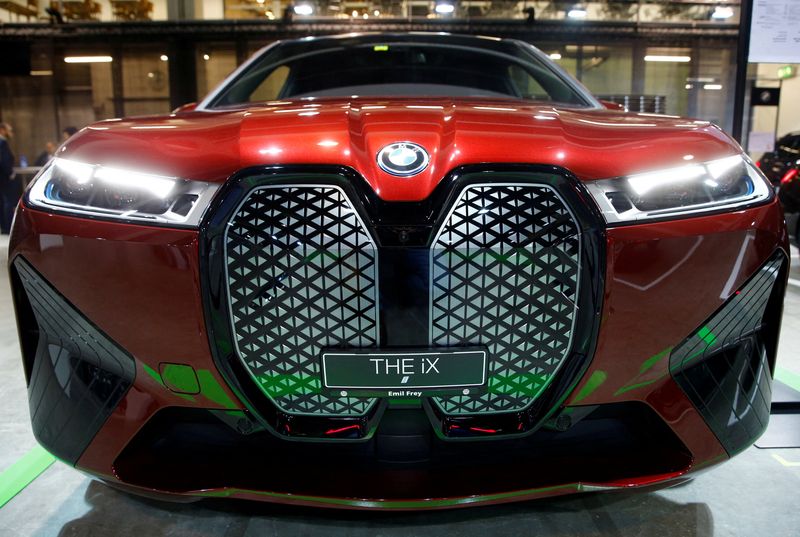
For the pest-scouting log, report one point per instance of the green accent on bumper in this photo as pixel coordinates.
(157, 377)
(20, 474)
(594, 382)
(180, 378)
(211, 389)
(653, 360)
(530, 384)
(647, 365)
(630, 387)
(276, 385)
(706, 335)
(327, 253)
(153, 373)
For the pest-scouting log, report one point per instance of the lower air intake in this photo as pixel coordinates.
(725, 366)
(77, 375)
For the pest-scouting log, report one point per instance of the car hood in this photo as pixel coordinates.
(211, 145)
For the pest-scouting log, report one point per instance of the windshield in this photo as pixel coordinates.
(339, 68)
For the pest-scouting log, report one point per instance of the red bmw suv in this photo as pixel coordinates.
(398, 271)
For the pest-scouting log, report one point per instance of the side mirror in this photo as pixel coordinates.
(188, 107)
(613, 106)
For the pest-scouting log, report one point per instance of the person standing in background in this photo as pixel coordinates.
(45, 156)
(67, 133)
(9, 190)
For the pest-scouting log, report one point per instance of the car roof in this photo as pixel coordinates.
(355, 39)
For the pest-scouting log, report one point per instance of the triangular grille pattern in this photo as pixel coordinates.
(504, 274)
(302, 273)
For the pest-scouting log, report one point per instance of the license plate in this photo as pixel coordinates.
(405, 373)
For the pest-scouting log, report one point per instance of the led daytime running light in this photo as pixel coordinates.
(88, 190)
(160, 186)
(727, 183)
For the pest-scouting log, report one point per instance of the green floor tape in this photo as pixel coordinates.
(20, 474)
(790, 378)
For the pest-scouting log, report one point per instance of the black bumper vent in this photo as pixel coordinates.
(726, 366)
(77, 375)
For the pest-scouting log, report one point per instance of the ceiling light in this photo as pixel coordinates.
(722, 13)
(164, 57)
(88, 59)
(555, 56)
(672, 59)
(206, 57)
(303, 9)
(712, 87)
(444, 8)
(577, 12)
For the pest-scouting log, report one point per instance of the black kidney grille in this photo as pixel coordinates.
(302, 276)
(504, 274)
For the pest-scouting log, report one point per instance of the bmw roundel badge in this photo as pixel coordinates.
(403, 159)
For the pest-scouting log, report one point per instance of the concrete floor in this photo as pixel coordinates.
(754, 494)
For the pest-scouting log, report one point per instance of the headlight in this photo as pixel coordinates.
(687, 190)
(76, 188)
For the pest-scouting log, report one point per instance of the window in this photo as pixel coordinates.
(270, 89)
(443, 66)
(525, 85)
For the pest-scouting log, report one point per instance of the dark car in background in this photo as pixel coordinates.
(789, 195)
(775, 164)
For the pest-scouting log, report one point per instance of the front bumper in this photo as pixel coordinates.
(142, 288)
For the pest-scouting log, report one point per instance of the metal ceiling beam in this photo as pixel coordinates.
(266, 30)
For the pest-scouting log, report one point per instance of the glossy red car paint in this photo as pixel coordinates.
(162, 320)
(210, 146)
(662, 279)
